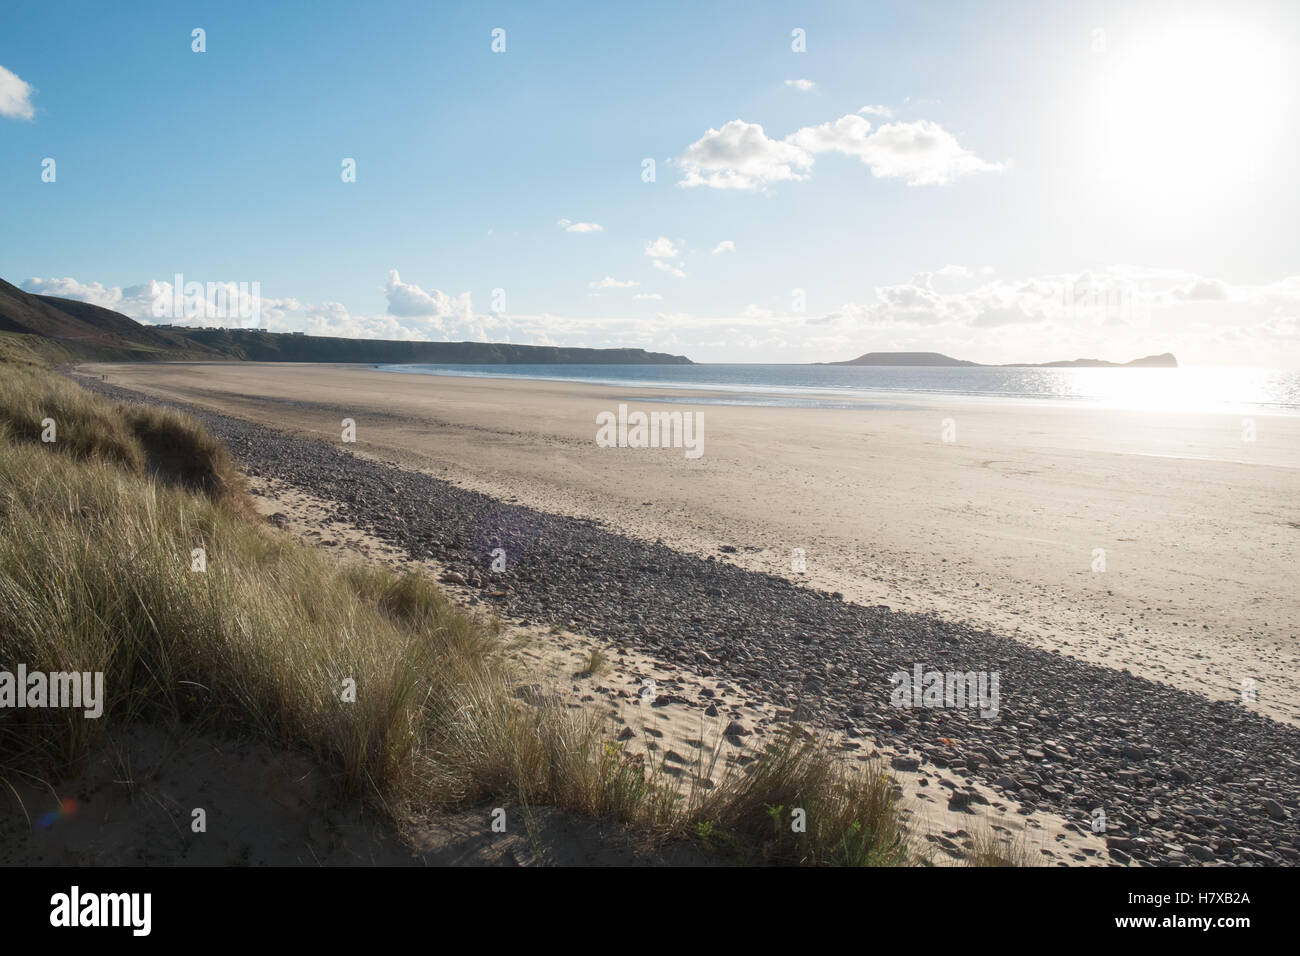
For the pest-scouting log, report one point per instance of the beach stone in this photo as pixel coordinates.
(907, 764)
(1274, 809)
(663, 700)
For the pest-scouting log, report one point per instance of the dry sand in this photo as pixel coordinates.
(999, 527)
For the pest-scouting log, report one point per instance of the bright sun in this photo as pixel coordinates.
(1188, 109)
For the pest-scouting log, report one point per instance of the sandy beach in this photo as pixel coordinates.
(678, 569)
(999, 528)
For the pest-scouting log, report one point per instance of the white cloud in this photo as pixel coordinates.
(742, 156)
(883, 111)
(922, 153)
(803, 86)
(1202, 290)
(200, 304)
(668, 267)
(848, 134)
(647, 296)
(1113, 298)
(408, 300)
(333, 319)
(109, 297)
(15, 96)
(946, 279)
(1118, 313)
(1285, 327)
(609, 282)
(661, 248)
(457, 322)
(726, 245)
(568, 225)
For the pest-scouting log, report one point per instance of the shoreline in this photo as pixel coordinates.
(850, 397)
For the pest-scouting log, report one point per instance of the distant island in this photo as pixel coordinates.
(69, 330)
(938, 360)
(903, 358)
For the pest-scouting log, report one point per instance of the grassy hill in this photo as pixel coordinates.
(64, 329)
(50, 329)
(257, 346)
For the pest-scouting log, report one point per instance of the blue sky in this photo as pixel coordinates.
(1028, 181)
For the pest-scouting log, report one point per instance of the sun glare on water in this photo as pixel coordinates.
(1187, 389)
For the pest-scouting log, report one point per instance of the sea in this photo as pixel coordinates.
(1201, 389)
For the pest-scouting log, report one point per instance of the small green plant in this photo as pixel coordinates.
(704, 832)
(778, 823)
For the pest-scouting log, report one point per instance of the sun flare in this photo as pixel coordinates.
(1188, 108)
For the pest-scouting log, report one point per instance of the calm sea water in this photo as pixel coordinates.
(1203, 389)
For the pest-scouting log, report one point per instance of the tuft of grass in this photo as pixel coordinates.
(799, 803)
(34, 350)
(413, 703)
(987, 847)
(179, 451)
(36, 405)
(596, 663)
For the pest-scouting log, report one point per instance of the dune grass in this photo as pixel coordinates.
(17, 348)
(409, 700)
(996, 846)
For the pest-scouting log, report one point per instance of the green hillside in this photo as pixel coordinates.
(50, 329)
